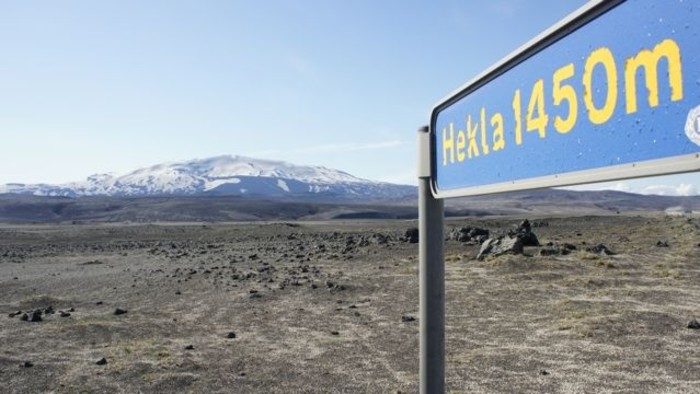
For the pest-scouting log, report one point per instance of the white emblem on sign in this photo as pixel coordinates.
(692, 125)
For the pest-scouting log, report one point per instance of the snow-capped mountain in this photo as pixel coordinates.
(222, 175)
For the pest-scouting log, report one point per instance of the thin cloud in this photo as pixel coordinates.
(684, 189)
(621, 187)
(681, 189)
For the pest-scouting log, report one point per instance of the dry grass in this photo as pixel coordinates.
(594, 323)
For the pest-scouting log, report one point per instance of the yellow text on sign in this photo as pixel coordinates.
(485, 133)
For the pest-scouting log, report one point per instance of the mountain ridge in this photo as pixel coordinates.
(222, 175)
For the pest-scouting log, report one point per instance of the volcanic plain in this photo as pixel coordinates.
(332, 307)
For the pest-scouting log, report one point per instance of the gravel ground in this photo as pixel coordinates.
(332, 307)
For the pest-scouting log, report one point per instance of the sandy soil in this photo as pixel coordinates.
(328, 308)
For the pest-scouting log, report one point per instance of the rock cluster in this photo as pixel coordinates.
(525, 234)
(469, 235)
(511, 243)
(500, 246)
(38, 315)
(600, 249)
(557, 249)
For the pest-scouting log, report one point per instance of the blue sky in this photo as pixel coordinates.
(110, 86)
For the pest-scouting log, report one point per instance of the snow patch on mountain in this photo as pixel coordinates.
(283, 185)
(210, 185)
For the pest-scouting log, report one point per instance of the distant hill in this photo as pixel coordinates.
(20, 208)
(567, 202)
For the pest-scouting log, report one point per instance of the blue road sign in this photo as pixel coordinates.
(611, 92)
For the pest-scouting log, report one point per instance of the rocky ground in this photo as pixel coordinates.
(332, 307)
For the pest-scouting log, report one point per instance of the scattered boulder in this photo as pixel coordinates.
(568, 246)
(335, 333)
(102, 361)
(600, 249)
(35, 316)
(26, 364)
(694, 324)
(550, 251)
(662, 244)
(557, 250)
(189, 347)
(231, 335)
(120, 311)
(411, 235)
(375, 238)
(473, 235)
(407, 318)
(500, 246)
(524, 232)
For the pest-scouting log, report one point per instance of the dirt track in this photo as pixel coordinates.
(327, 307)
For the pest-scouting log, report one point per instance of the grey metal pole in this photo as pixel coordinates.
(432, 275)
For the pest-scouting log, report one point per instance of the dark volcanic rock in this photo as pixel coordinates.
(411, 235)
(550, 251)
(469, 234)
(102, 361)
(694, 324)
(662, 244)
(500, 246)
(35, 316)
(407, 318)
(231, 335)
(557, 250)
(120, 311)
(600, 249)
(189, 347)
(524, 232)
(26, 364)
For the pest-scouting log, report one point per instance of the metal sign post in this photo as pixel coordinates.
(432, 275)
